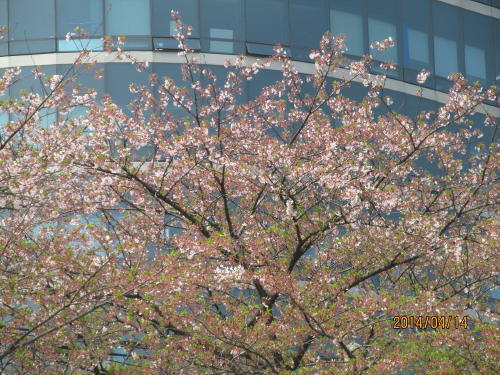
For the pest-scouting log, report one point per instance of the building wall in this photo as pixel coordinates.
(430, 34)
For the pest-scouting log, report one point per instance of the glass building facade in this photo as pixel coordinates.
(429, 34)
(437, 35)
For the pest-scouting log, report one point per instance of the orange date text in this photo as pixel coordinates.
(429, 321)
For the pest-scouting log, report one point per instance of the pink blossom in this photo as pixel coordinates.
(383, 45)
(422, 76)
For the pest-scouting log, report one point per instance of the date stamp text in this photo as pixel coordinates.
(429, 321)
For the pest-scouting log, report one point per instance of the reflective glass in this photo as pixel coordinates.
(31, 46)
(79, 45)
(173, 44)
(346, 17)
(446, 38)
(127, 17)
(308, 23)
(3, 15)
(85, 80)
(78, 13)
(382, 18)
(263, 79)
(31, 19)
(414, 105)
(397, 103)
(135, 43)
(172, 71)
(4, 50)
(263, 49)
(4, 118)
(416, 38)
(118, 77)
(478, 47)
(221, 73)
(28, 83)
(267, 21)
(496, 35)
(222, 21)
(163, 25)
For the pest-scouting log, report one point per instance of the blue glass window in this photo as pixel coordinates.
(221, 73)
(346, 17)
(263, 79)
(29, 83)
(93, 44)
(118, 77)
(3, 22)
(308, 23)
(496, 34)
(172, 71)
(173, 44)
(127, 17)
(31, 19)
(222, 22)
(77, 13)
(85, 80)
(163, 25)
(382, 18)
(446, 38)
(263, 49)
(416, 38)
(267, 21)
(4, 117)
(478, 47)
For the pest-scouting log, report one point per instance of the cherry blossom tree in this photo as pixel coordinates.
(278, 236)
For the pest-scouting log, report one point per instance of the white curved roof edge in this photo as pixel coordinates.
(217, 59)
(474, 6)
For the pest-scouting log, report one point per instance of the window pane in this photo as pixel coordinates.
(497, 51)
(346, 17)
(74, 13)
(478, 34)
(446, 38)
(31, 46)
(118, 77)
(308, 24)
(79, 45)
(85, 80)
(446, 56)
(163, 25)
(3, 22)
(221, 73)
(135, 43)
(416, 27)
(267, 21)
(127, 17)
(29, 83)
(173, 44)
(382, 16)
(3, 14)
(264, 49)
(263, 79)
(172, 71)
(31, 19)
(222, 19)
